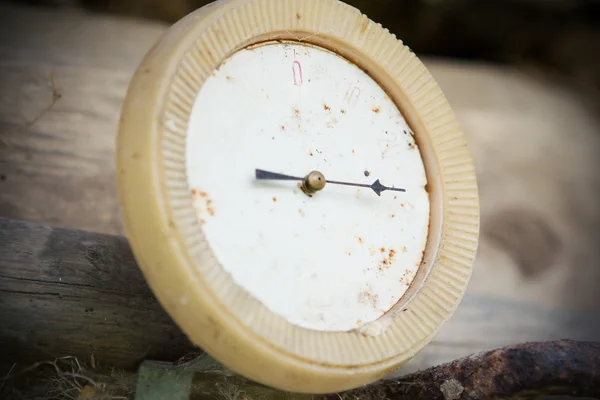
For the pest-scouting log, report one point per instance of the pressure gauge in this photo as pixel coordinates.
(297, 191)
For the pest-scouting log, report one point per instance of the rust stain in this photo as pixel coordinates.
(282, 128)
(402, 205)
(202, 203)
(196, 194)
(367, 296)
(310, 153)
(228, 77)
(404, 249)
(298, 16)
(395, 197)
(387, 261)
(404, 280)
(274, 199)
(360, 240)
(382, 250)
(297, 112)
(326, 107)
(353, 152)
(376, 109)
(359, 322)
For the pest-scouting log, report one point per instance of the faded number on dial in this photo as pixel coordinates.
(352, 95)
(297, 73)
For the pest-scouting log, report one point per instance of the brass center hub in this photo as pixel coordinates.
(313, 182)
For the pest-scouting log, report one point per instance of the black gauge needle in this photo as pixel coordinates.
(316, 181)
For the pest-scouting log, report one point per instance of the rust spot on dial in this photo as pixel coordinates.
(202, 203)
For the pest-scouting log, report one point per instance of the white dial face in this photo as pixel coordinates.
(341, 258)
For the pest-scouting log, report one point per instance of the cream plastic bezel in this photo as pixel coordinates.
(167, 239)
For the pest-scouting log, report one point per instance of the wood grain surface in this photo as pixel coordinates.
(63, 76)
(57, 158)
(70, 292)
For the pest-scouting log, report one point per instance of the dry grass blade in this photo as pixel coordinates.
(68, 379)
(6, 377)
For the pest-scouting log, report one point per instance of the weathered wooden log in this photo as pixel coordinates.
(69, 292)
(74, 293)
(524, 371)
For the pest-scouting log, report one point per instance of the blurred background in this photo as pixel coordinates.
(560, 36)
(523, 77)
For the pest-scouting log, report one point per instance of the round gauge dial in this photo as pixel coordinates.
(296, 191)
(331, 260)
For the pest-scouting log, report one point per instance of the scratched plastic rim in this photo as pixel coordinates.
(167, 238)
